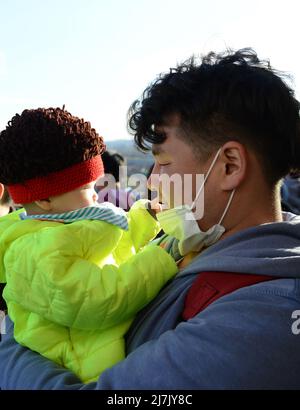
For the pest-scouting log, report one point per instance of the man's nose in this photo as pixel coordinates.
(153, 182)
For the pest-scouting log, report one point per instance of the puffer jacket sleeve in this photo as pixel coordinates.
(5, 222)
(59, 277)
(142, 226)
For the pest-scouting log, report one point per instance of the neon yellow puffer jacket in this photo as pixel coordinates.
(73, 289)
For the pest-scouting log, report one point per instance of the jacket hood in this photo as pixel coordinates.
(268, 249)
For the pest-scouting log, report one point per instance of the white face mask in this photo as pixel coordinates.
(180, 223)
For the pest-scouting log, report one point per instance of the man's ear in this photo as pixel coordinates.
(234, 158)
(1, 191)
(44, 204)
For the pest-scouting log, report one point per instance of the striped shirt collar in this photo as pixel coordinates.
(105, 211)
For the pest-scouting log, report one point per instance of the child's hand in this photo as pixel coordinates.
(155, 205)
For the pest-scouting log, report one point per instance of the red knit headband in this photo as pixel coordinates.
(57, 183)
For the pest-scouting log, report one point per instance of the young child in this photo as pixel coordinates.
(76, 272)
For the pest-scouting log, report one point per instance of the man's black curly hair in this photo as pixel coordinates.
(227, 96)
(45, 140)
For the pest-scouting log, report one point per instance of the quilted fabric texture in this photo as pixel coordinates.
(73, 289)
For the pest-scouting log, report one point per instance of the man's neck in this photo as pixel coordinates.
(255, 213)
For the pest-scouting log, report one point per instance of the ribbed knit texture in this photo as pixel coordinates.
(58, 182)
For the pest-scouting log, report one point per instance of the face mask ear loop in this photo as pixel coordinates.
(206, 176)
(227, 206)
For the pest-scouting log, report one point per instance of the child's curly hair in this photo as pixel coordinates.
(45, 140)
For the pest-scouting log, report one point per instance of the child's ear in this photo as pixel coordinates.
(44, 204)
(1, 191)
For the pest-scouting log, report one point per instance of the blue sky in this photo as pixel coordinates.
(97, 56)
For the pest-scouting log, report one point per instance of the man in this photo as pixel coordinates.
(234, 120)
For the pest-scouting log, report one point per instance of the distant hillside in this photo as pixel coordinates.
(137, 162)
